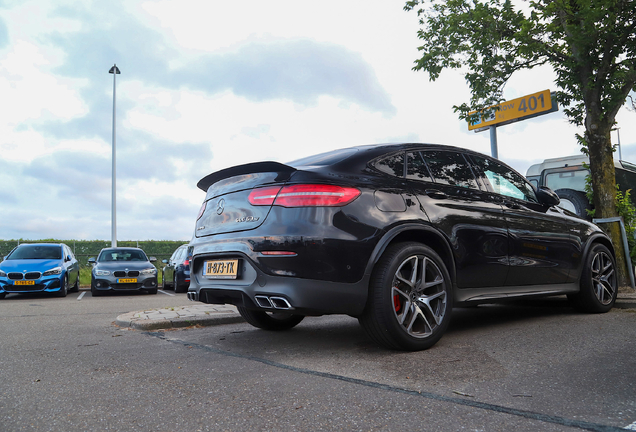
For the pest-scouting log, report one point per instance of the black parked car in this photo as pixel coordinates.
(395, 235)
(176, 272)
(123, 269)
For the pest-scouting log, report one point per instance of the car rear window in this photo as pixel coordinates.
(450, 168)
(323, 159)
(392, 165)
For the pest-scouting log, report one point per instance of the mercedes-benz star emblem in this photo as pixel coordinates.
(220, 206)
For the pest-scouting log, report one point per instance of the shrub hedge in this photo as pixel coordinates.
(84, 249)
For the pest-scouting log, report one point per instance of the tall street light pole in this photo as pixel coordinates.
(114, 70)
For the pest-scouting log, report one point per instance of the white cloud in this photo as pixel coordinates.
(207, 85)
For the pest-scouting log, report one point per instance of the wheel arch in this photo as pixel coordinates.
(415, 233)
(594, 239)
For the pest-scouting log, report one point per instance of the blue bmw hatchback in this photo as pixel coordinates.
(39, 267)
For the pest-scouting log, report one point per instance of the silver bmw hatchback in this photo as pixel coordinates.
(123, 269)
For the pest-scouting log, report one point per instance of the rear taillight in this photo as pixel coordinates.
(264, 196)
(202, 210)
(304, 195)
(186, 262)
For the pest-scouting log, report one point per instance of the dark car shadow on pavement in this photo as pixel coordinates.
(509, 312)
(331, 334)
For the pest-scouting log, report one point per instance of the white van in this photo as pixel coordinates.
(566, 176)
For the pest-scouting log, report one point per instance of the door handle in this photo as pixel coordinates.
(434, 193)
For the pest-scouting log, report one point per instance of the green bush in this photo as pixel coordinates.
(84, 249)
(625, 209)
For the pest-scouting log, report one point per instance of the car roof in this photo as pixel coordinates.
(370, 151)
(347, 159)
(358, 160)
(40, 244)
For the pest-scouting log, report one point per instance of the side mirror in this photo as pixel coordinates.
(164, 261)
(547, 196)
(67, 258)
(91, 260)
(152, 259)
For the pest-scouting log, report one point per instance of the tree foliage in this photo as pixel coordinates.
(590, 44)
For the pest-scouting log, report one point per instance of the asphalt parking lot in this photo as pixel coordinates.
(536, 366)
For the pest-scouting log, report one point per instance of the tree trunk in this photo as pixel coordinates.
(597, 136)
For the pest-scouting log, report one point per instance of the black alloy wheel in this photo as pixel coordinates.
(64, 288)
(598, 286)
(410, 298)
(175, 285)
(270, 320)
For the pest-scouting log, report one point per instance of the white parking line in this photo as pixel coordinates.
(81, 295)
(166, 293)
(631, 427)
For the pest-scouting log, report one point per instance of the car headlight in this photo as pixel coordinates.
(101, 272)
(2, 274)
(148, 271)
(53, 271)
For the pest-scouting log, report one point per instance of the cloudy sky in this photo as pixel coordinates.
(207, 84)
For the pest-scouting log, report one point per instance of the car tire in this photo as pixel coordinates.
(95, 292)
(152, 291)
(598, 285)
(275, 321)
(64, 288)
(2, 295)
(164, 285)
(574, 201)
(410, 298)
(177, 289)
(76, 285)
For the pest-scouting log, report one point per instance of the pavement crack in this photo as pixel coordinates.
(432, 396)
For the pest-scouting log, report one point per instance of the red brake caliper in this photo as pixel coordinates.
(397, 303)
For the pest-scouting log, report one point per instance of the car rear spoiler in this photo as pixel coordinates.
(250, 168)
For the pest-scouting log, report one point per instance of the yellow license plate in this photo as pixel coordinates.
(221, 269)
(127, 280)
(23, 282)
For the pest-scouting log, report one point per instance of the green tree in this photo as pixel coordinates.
(590, 44)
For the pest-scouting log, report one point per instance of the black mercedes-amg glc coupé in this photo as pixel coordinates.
(393, 234)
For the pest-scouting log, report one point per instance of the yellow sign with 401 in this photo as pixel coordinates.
(514, 110)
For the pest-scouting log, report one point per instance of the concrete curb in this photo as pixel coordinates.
(179, 317)
(625, 300)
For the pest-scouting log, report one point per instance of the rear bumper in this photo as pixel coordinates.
(253, 289)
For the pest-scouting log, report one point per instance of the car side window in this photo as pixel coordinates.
(180, 253)
(392, 165)
(174, 255)
(450, 168)
(416, 168)
(504, 181)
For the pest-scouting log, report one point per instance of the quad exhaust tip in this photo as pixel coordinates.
(193, 296)
(273, 302)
